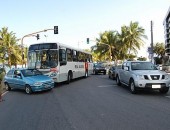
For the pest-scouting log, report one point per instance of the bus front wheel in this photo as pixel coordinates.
(68, 78)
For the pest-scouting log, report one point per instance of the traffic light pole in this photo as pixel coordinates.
(28, 35)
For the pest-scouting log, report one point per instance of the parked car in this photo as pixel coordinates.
(142, 75)
(111, 72)
(99, 68)
(31, 80)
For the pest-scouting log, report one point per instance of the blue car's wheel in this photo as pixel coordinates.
(7, 87)
(28, 89)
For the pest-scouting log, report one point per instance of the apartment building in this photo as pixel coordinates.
(166, 24)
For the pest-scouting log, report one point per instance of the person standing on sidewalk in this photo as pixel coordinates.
(2, 74)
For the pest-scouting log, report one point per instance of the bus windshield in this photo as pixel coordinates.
(43, 59)
(49, 59)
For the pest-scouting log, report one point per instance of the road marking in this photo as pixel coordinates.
(167, 96)
(4, 93)
(107, 86)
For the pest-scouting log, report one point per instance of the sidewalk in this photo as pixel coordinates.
(4, 90)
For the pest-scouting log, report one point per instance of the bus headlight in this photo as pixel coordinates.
(53, 74)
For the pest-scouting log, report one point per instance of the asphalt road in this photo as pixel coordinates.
(94, 103)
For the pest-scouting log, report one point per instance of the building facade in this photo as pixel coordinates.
(166, 24)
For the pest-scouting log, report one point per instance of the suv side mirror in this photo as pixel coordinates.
(126, 68)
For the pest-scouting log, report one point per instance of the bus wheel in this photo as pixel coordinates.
(68, 78)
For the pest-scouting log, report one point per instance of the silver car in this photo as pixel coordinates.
(142, 75)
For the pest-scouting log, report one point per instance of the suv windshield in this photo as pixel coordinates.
(143, 66)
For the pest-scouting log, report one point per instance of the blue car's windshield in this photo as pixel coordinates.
(30, 72)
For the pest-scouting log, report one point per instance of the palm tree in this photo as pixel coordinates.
(16, 56)
(8, 45)
(132, 37)
(159, 49)
(107, 45)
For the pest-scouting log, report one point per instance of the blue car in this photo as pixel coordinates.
(31, 80)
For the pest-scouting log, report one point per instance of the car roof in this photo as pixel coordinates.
(21, 69)
(138, 61)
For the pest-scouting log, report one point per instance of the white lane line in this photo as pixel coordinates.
(4, 93)
(102, 86)
(167, 96)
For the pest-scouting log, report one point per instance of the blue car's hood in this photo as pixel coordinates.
(38, 78)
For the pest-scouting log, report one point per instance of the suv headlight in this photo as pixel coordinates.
(140, 77)
(166, 76)
(38, 84)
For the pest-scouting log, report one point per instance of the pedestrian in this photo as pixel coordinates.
(2, 74)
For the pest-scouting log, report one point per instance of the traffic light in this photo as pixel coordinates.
(55, 29)
(88, 40)
(38, 36)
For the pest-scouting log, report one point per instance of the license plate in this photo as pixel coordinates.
(156, 86)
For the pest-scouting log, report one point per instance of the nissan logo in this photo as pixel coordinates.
(155, 77)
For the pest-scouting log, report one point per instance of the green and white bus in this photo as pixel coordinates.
(60, 62)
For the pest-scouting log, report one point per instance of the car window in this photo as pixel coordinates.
(10, 73)
(99, 65)
(30, 72)
(113, 68)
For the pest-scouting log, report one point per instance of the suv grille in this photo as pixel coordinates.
(155, 77)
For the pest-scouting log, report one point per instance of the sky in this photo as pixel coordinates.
(81, 19)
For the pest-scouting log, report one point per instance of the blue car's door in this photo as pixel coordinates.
(18, 81)
(9, 78)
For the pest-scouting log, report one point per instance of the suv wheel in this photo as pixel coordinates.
(164, 90)
(118, 80)
(132, 87)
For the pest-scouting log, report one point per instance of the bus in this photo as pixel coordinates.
(60, 62)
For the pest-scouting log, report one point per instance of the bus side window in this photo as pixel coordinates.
(74, 55)
(62, 57)
(69, 55)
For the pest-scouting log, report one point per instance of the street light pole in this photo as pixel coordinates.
(152, 54)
